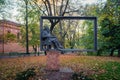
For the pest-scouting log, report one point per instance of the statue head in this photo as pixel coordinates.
(47, 28)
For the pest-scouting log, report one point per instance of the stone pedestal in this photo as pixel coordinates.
(63, 74)
(53, 61)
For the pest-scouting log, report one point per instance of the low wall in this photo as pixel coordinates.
(13, 47)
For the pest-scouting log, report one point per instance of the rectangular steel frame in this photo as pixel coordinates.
(75, 18)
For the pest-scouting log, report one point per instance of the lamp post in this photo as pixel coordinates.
(26, 18)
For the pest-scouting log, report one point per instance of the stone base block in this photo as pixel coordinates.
(53, 61)
(62, 74)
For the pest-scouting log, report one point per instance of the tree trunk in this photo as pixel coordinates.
(35, 49)
(119, 52)
(112, 52)
(99, 52)
(45, 52)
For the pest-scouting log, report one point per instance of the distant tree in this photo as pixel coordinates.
(55, 8)
(110, 25)
(33, 24)
(88, 38)
(2, 2)
(50, 8)
(5, 8)
(34, 36)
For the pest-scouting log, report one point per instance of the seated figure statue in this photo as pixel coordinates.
(50, 40)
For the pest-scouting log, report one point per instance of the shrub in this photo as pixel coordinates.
(25, 75)
(80, 76)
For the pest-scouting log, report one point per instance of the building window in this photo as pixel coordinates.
(8, 31)
(18, 35)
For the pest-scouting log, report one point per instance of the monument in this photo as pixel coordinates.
(53, 47)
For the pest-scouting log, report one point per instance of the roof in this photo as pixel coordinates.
(10, 22)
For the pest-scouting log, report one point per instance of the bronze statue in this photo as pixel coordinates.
(50, 41)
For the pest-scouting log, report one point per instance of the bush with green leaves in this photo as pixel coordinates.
(25, 75)
(80, 76)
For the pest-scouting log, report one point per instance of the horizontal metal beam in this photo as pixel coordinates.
(68, 17)
(77, 50)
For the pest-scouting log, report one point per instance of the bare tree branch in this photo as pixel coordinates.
(49, 7)
(65, 7)
(60, 12)
(39, 7)
(46, 7)
(54, 8)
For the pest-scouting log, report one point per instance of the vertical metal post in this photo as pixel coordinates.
(26, 18)
(41, 28)
(95, 34)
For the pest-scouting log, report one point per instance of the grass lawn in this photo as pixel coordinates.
(97, 68)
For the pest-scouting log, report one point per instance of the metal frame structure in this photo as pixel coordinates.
(72, 18)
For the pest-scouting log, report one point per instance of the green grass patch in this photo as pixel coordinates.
(111, 71)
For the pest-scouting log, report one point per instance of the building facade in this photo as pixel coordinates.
(12, 46)
(13, 28)
(9, 27)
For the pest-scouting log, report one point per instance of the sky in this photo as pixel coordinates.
(15, 13)
(89, 1)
